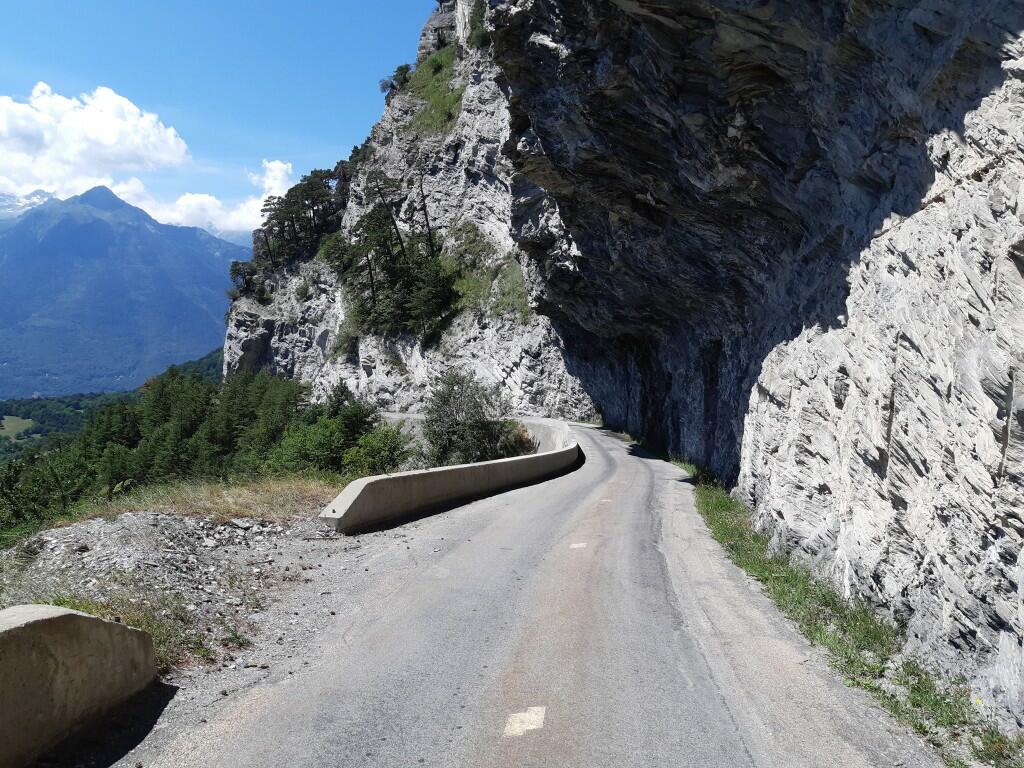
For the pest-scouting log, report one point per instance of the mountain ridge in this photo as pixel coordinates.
(99, 295)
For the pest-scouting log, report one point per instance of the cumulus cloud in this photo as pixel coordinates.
(66, 145)
(206, 211)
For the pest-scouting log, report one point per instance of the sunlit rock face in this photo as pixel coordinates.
(463, 178)
(782, 239)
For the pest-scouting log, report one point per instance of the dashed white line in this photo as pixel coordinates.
(577, 545)
(520, 722)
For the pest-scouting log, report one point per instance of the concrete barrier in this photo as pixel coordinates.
(385, 499)
(58, 670)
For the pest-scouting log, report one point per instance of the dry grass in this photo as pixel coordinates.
(271, 499)
(176, 638)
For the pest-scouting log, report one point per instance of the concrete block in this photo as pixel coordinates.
(386, 499)
(58, 670)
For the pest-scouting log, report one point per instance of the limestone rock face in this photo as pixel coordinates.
(784, 238)
(466, 181)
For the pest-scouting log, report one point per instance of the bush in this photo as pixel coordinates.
(383, 450)
(321, 443)
(397, 80)
(346, 340)
(467, 421)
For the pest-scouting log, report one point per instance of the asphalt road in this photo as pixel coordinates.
(586, 621)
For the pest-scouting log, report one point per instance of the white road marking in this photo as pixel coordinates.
(578, 545)
(521, 722)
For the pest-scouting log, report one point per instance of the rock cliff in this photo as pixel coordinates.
(466, 183)
(783, 238)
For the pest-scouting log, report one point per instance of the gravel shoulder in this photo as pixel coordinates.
(257, 593)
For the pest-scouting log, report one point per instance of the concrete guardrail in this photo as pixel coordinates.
(59, 669)
(385, 499)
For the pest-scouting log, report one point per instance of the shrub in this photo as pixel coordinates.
(346, 342)
(361, 155)
(383, 450)
(321, 443)
(467, 421)
(397, 80)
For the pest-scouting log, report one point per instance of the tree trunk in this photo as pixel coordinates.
(426, 217)
(394, 221)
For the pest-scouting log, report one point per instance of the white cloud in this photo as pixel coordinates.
(67, 145)
(206, 211)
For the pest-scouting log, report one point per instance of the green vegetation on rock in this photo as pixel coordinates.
(485, 283)
(395, 281)
(510, 293)
(478, 36)
(431, 81)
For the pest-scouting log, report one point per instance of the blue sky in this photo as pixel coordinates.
(238, 82)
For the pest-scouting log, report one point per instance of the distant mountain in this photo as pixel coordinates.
(97, 296)
(12, 206)
(238, 237)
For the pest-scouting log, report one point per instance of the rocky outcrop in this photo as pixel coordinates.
(302, 330)
(785, 239)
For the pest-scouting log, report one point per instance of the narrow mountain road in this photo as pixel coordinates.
(586, 621)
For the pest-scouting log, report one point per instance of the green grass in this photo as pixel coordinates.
(235, 639)
(432, 82)
(12, 426)
(474, 289)
(511, 297)
(861, 645)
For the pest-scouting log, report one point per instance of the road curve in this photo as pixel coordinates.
(586, 621)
